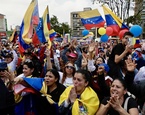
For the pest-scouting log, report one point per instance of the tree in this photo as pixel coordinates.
(137, 17)
(119, 7)
(61, 28)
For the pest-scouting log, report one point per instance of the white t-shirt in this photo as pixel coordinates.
(68, 81)
(57, 53)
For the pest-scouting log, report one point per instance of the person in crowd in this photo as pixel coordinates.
(118, 55)
(10, 57)
(80, 98)
(102, 54)
(68, 73)
(137, 56)
(7, 101)
(93, 64)
(31, 56)
(84, 62)
(54, 89)
(114, 42)
(25, 100)
(48, 92)
(108, 51)
(97, 85)
(115, 105)
(135, 88)
(72, 53)
(66, 77)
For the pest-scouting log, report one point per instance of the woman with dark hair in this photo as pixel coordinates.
(66, 77)
(48, 91)
(54, 89)
(118, 103)
(28, 70)
(25, 100)
(79, 99)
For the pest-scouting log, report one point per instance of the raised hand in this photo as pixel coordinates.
(130, 64)
(128, 48)
(91, 47)
(115, 102)
(73, 95)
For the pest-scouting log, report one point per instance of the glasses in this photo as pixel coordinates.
(69, 67)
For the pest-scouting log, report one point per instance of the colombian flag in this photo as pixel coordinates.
(91, 18)
(26, 28)
(42, 30)
(113, 21)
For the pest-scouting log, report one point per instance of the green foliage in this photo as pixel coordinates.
(9, 33)
(136, 19)
(61, 28)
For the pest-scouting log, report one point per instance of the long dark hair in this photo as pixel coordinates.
(64, 72)
(30, 65)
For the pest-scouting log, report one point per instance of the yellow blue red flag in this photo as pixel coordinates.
(113, 21)
(91, 18)
(52, 34)
(26, 28)
(14, 36)
(42, 30)
(39, 85)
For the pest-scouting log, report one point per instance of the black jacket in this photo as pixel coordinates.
(6, 100)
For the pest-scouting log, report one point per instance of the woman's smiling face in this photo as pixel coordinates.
(117, 89)
(27, 71)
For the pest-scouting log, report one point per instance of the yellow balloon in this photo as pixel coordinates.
(102, 31)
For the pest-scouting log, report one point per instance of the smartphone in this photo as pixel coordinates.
(131, 41)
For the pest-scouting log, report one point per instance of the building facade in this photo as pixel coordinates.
(3, 26)
(76, 24)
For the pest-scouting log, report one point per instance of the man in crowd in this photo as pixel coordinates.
(118, 55)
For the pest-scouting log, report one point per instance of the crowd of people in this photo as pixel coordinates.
(73, 79)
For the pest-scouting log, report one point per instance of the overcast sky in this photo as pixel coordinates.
(14, 10)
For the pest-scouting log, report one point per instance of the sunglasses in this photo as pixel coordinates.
(69, 67)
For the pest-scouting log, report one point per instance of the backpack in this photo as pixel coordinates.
(126, 104)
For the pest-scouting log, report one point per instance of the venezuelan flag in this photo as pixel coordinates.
(35, 16)
(113, 21)
(39, 85)
(42, 30)
(22, 45)
(91, 18)
(14, 36)
(52, 34)
(26, 28)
